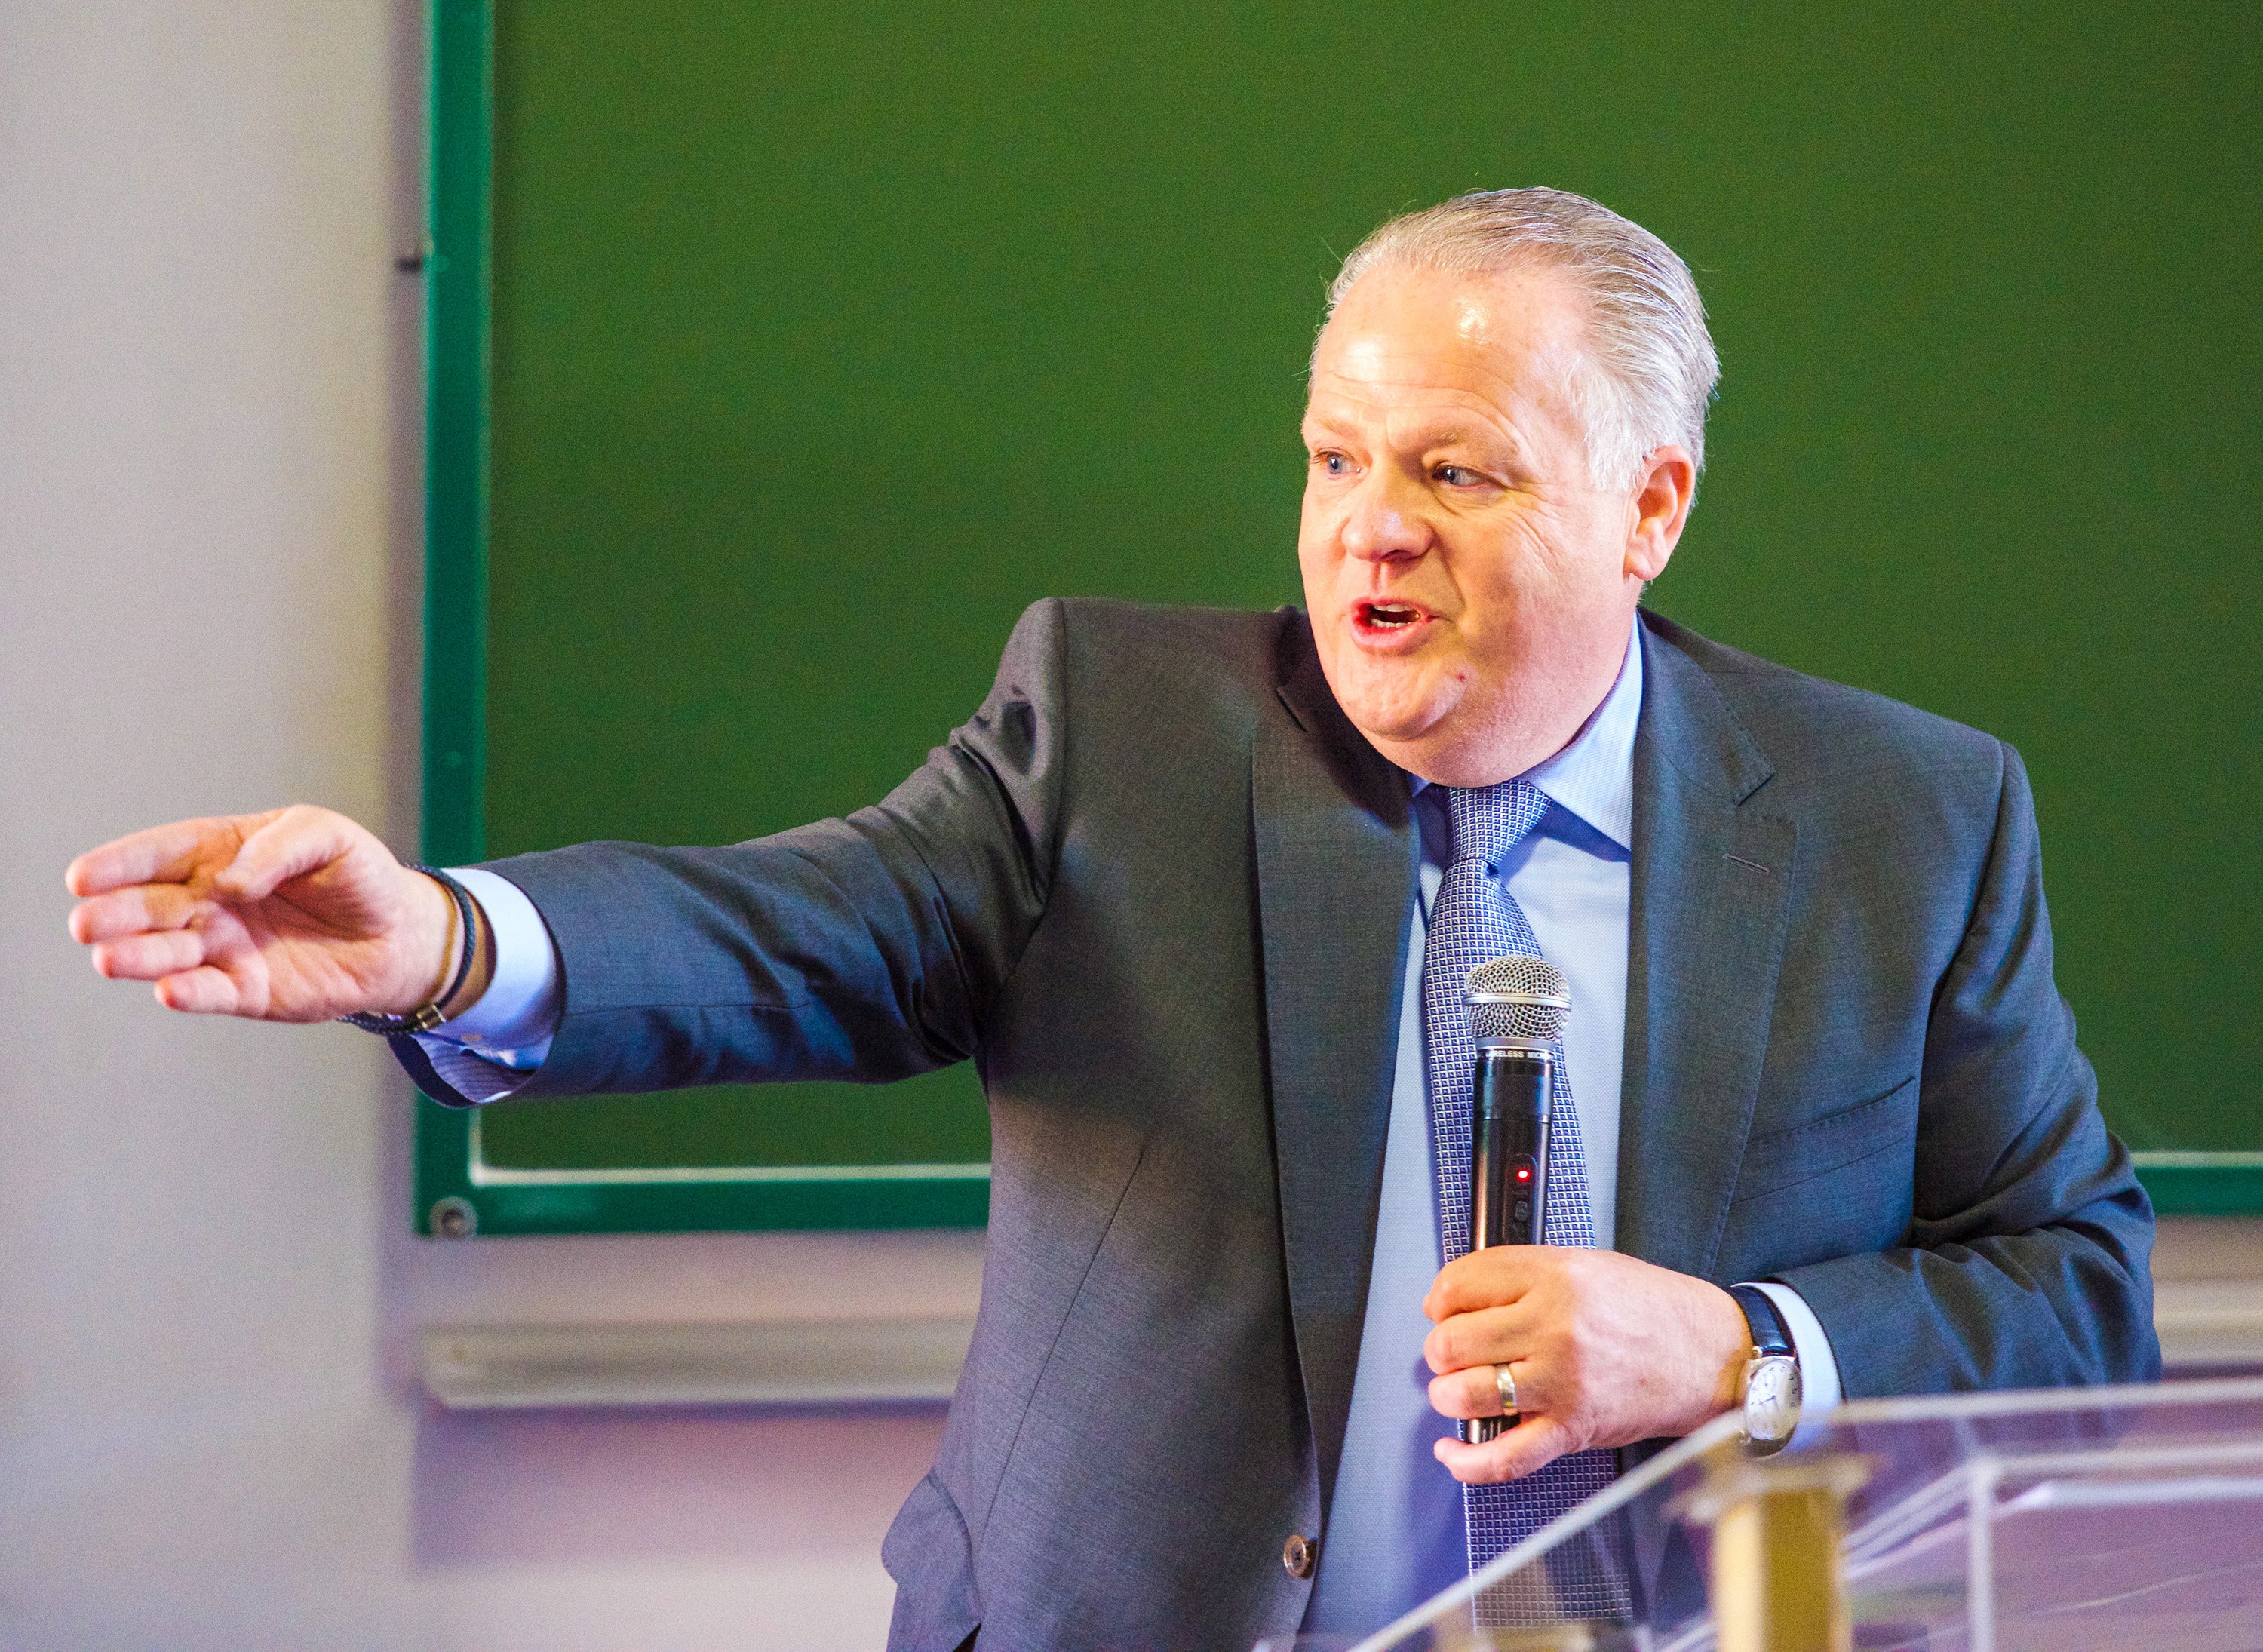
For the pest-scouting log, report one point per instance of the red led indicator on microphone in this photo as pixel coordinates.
(1523, 1175)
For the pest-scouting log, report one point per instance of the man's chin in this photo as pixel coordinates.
(1412, 720)
(1394, 699)
(1394, 723)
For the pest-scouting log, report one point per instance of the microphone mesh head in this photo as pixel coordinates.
(1518, 998)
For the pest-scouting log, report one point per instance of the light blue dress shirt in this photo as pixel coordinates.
(1394, 1535)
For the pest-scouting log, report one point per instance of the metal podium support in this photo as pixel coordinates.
(1777, 1527)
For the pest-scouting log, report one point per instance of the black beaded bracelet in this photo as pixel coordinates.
(424, 1020)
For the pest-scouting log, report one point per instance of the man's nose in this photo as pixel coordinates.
(1384, 525)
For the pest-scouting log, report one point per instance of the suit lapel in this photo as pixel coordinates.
(1335, 852)
(1711, 886)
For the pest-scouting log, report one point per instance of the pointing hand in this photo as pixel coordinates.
(295, 915)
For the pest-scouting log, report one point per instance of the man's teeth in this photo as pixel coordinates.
(1379, 615)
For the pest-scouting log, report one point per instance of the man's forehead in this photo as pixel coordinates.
(1433, 338)
(1500, 307)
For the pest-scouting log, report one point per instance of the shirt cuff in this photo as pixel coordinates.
(1819, 1367)
(473, 1077)
(509, 1028)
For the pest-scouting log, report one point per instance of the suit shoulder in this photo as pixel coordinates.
(1171, 650)
(1814, 728)
(1154, 707)
(1169, 627)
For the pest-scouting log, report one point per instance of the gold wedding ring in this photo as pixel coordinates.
(1504, 1384)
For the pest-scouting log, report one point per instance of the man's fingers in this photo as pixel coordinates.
(146, 906)
(1476, 1391)
(295, 840)
(149, 957)
(1531, 1445)
(1482, 1337)
(161, 854)
(1486, 1278)
(206, 991)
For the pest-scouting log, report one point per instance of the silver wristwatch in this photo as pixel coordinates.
(1771, 1385)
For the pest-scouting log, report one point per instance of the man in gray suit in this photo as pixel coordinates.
(1196, 889)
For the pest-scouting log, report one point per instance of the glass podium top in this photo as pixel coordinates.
(2052, 1521)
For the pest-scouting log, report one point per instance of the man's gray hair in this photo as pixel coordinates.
(1650, 367)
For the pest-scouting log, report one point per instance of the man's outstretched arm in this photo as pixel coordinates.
(868, 947)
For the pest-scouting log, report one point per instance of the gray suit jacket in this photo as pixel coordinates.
(1157, 888)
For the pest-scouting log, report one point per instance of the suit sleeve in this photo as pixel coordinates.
(2026, 1259)
(870, 948)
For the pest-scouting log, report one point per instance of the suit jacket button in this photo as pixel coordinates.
(1299, 1555)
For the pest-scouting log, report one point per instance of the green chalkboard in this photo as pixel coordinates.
(782, 354)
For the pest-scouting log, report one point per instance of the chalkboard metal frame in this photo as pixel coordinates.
(457, 1193)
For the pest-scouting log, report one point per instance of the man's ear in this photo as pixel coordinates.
(1662, 498)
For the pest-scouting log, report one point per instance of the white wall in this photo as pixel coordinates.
(210, 1434)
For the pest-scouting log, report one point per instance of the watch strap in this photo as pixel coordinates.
(1770, 1334)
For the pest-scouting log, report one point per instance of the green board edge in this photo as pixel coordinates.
(451, 1199)
(2203, 1183)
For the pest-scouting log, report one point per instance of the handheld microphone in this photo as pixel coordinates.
(1517, 1008)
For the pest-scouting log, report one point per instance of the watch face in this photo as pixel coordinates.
(1771, 1399)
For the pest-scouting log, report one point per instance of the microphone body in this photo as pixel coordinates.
(1516, 1012)
(1513, 1096)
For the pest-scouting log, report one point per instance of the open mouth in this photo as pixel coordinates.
(1379, 618)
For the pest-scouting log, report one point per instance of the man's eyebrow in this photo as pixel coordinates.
(1449, 432)
(1469, 434)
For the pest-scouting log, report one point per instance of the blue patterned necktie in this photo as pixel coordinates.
(1472, 919)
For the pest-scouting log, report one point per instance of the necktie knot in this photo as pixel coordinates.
(1489, 820)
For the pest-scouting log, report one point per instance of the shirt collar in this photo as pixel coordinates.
(1593, 776)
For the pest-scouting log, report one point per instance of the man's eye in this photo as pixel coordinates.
(1334, 464)
(1457, 476)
